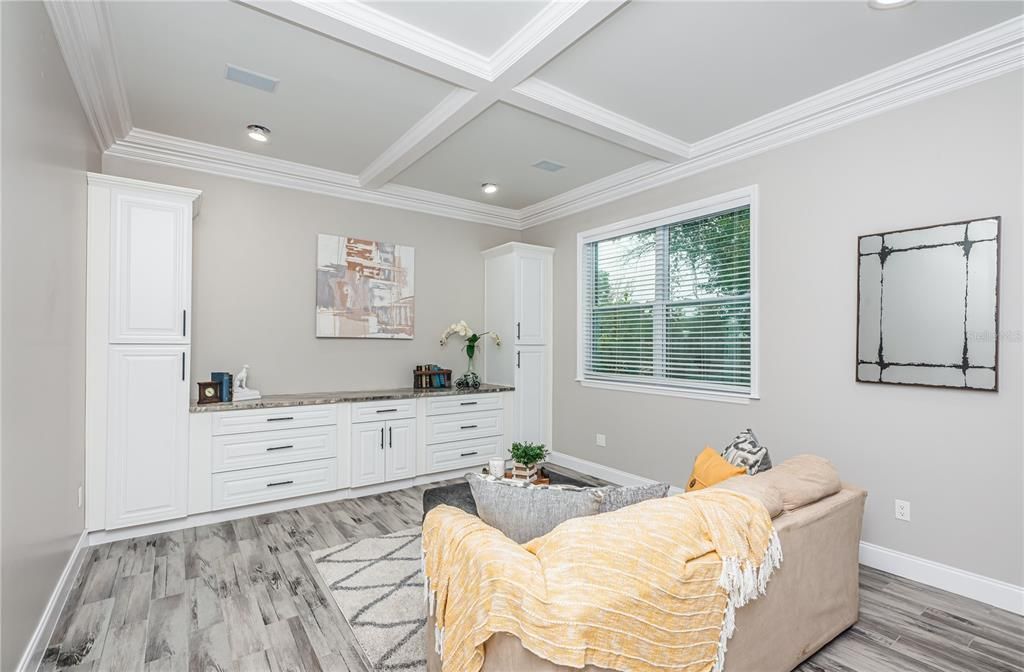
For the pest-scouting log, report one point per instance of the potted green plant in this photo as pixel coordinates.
(525, 458)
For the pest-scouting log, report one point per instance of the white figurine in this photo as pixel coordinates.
(241, 391)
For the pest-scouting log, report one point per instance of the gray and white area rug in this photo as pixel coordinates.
(378, 585)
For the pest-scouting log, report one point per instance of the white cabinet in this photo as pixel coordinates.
(147, 468)
(518, 297)
(532, 402)
(368, 453)
(138, 298)
(531, 301)
(400, 455)
(150, 270)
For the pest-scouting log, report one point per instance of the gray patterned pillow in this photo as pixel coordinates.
(745, 451)
(524, 511)
(616, 498)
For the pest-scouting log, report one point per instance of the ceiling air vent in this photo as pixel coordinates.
(549, 166)
(250, 78)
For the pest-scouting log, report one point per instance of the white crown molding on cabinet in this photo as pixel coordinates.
(82, 30)
(167, 150)
(975, 58)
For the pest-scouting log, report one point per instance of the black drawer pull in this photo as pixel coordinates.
(387, 410)
(279, 448)
(280, 419)
(472, 452)
(469, 403)
(468, 427)
(270, 485)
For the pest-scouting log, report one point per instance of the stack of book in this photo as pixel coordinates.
(226, 380)
(431, 376)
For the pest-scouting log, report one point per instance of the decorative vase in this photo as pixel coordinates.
(521, 472)
(468, 380)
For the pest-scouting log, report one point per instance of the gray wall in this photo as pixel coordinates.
(254, 283)
(47, 147)
(956, 455)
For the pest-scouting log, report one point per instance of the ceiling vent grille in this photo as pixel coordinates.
(250, 78)
(549, 166)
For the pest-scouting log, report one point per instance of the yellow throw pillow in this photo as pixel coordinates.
(710, 468)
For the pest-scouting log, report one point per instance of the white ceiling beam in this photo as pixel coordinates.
(549, 101)
(83, 35)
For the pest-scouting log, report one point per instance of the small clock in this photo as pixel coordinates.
(209, 393)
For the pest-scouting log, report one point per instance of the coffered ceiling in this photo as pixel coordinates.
(417, 103)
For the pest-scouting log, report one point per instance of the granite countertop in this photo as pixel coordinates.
(317, 398)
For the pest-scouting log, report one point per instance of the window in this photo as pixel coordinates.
(666, 301)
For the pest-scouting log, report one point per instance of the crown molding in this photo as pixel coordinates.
(142, 145)
(82, 30)
(548, 100)
(975, 58)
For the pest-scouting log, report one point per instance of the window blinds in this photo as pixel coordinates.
(670, 305)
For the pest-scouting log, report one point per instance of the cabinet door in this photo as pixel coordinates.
(147, 450)
(531, 299)
(531, 395)
(401, 460)
(150, 274)
(368, 441)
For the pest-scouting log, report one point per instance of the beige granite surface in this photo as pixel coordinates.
(316, 398)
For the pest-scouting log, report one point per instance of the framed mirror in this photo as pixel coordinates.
(928, 306)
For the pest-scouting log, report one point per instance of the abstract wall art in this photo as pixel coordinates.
(928, 306)
(364, 288)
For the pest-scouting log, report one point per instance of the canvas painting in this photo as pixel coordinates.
(364, 288)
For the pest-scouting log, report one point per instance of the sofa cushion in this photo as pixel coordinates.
(747, 452)
(524, 511)
(710, 468)
(757, 487)
(627, 495)
(803, 480)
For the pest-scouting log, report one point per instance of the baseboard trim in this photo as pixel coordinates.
(33, 655)
(937, 575)
(968, 584)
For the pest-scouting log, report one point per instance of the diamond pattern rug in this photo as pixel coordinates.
(378, 585)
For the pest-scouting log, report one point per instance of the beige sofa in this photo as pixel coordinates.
(810, 599)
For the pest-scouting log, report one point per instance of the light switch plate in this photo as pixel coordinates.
(601, 440)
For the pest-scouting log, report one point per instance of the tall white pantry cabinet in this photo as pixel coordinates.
(518, 306)
(138, 351)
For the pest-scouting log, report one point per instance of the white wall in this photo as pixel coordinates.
(46, 148)
(956, 455)
(254, 283)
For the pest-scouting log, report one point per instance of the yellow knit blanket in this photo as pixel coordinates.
(651, 587)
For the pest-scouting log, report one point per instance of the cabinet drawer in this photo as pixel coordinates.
(463, 403)
(459, 454)
(375, 411)
(458, 426)
(264, 484)
(260, 449)
(271, 419)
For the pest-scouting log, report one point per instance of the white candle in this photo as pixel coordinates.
(496, 467)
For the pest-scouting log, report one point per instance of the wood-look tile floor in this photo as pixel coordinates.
(244, 596)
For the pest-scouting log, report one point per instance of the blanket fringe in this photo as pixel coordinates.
(743, 583)
(430, 597)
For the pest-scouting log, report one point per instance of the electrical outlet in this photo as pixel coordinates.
(601, 440)
(902, 510)
(80, 496)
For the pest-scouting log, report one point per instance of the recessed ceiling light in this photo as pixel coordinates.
(258, 133)
(489, 187)
(888, 4)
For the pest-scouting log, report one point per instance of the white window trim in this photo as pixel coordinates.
(746, 196)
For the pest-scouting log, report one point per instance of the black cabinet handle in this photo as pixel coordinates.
(382, 438)
(271, 485)
(280, 419)
(472, 452)
(518, 324)
(519, 358)
(387, 410)
(279, 448)
(468, 427)
(390, 443)
(183, 366)
(469, 403)
(183, 314)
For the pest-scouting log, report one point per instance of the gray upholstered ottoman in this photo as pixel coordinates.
(459, 496)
